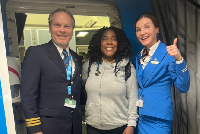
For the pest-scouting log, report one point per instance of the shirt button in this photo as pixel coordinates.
(72, 112)
(72, 96)
(71, 82)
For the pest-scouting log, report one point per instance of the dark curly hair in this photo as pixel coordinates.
(123, 45)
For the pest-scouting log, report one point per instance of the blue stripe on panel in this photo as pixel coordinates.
(3, 128)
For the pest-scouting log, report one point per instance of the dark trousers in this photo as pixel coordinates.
(92, 130)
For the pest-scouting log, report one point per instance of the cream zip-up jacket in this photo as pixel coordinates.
(111, 101)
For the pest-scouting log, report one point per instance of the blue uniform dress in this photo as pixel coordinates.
(155, 80)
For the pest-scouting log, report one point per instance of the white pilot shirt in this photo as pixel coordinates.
(62, 56)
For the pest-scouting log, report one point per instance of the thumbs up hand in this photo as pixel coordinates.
(173, 51)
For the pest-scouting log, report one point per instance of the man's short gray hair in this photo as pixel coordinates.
(61, 10)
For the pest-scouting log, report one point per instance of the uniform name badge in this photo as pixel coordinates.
(139, 103)
(70, 103)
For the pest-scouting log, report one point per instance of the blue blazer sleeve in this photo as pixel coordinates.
(179, 74)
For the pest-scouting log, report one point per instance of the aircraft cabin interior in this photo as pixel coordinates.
(24, 23)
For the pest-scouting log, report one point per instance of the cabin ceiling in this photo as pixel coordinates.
(87, 13)
(77, 7)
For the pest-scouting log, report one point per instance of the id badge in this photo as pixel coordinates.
(70, 103)
(139, 103)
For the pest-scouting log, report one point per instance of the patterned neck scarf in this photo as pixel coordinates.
(144, 54)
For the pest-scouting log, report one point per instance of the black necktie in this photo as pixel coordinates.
(66, 62)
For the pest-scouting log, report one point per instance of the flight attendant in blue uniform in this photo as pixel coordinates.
(157, 66)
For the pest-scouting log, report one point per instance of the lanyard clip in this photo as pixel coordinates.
(68, 82)
(97, 73)
(70, 97)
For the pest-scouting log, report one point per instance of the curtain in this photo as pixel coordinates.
(181, 19)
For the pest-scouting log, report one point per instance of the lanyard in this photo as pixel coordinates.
(69, 72)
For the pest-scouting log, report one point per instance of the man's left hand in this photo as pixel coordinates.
(129, 130)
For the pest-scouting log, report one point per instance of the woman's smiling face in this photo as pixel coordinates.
(146, 32)
(109, 44)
